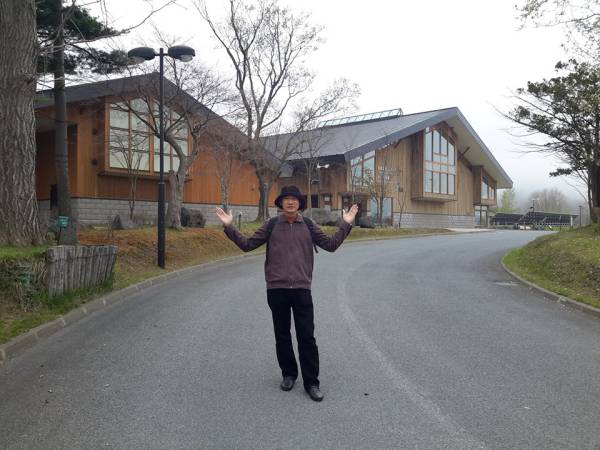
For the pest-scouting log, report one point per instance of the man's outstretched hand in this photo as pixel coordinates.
(224, 217)
(349, 215)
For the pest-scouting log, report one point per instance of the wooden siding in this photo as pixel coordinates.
(404, 201)
(91, 177)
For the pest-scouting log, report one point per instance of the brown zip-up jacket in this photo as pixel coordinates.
(290, 257)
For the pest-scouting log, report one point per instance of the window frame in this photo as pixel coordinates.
(440, 163)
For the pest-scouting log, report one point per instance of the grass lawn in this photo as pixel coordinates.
(136, 262)
(567, 263)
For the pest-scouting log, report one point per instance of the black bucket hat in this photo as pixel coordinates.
(290, 191)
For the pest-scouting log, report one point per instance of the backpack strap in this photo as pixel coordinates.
(270, 226)
(310, 225)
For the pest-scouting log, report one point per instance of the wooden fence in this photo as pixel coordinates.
(72, 267)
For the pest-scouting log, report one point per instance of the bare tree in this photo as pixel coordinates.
(19, 222)
(266, 44)
(190, 98)
(550, 200)
(580, 20)
(227, 147)
(125, 155)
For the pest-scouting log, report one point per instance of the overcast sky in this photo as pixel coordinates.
(416, 55)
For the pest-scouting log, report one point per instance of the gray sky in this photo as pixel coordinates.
(417, 55)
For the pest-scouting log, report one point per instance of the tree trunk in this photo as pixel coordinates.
(309, 197)
(594, 178)
(264, 188)
(176, 184)
(68, 235)
(225, 194)
(19, 221)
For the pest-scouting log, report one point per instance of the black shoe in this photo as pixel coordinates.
(315, 393)
(288, 383)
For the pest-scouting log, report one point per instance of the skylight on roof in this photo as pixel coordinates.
(362, 117)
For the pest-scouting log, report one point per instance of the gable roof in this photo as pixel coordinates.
(357, 138)
(123, 86)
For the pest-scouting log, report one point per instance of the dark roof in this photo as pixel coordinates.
(357, 138)
(541, 217)
(123, 86)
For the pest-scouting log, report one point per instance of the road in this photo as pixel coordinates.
(424, 342)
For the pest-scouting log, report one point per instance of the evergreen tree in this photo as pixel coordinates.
(566, 111)
(508, 202)
(65, 37)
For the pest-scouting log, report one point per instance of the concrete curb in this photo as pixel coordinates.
(32, 337)
(588, 309)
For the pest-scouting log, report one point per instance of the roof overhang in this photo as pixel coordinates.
(478, 154)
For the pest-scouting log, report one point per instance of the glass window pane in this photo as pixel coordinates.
(443, 183)
(444, 146)
(452, 169)
(436, 157)
(181, 131)
(119, 118)
(139, 105)
(137, 123)
(436, 142)
(373, 208)
(428, 181)
(184, 146)
(369, 155)
(119, 138)
(436, 182)
(369, 167)
(118, 158)
(444, 159)
(450, 153)
(428, 165)
(140, 141)
(156, 162)
(451, 184)
(483, 190)
(139, 160)
(436, 167)
(387, 207)
(428, 146)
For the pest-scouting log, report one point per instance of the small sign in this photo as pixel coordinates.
(63, 221)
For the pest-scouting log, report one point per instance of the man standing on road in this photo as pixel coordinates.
(288, 272)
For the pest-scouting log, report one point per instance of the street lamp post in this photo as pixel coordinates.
(139, 55)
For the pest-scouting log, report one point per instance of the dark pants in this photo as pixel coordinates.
(299, 301)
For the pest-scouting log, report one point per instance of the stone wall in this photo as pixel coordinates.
(434, 221)
(90, 211)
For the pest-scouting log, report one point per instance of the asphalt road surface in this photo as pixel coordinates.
(425, 343)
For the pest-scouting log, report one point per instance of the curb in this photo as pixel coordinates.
(588, 309)
(29, 339)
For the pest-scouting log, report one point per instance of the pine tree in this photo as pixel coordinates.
(65, 36)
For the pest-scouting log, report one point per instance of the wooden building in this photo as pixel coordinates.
(100, 133)
(431, 169)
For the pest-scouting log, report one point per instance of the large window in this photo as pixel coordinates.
(176, 124)
(363, 169)
(129, 139)
(132, 143)
(387, 210)
(439, 163)
(488, 192)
